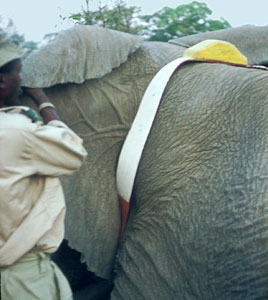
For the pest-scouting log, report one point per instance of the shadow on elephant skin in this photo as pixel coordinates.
(85, 285)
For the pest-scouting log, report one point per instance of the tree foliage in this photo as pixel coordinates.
(9, 27)
(27, 46)
(120, 17)
(183, 20)
(166, 24)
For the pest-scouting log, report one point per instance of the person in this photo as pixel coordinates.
(33, 154)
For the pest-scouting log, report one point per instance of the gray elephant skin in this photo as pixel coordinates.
(198, 224)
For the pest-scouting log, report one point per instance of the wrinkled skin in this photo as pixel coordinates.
(198, 227)
(101, 112)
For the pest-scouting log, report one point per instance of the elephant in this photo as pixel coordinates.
(198, 222)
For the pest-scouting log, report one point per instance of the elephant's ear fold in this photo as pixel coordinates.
(77, 54)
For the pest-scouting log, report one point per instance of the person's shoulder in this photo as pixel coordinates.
(15, 118)
(14, 121)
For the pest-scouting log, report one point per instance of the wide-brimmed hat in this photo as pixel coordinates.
(8, 50)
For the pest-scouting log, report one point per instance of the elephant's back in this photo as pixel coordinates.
(198, 228)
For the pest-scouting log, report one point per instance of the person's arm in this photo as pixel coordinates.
(56, 150)
(39, 97)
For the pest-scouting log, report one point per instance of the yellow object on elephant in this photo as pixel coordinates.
(216, 50)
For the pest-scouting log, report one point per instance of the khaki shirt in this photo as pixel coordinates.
(32, 206)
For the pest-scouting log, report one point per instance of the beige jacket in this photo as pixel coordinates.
(32, 207)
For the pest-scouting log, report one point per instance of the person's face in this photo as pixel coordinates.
(12, 82)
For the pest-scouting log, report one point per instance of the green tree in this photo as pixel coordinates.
(166, 24)
(9, 27)
(27, 46)
(120, 17)
(184, 20)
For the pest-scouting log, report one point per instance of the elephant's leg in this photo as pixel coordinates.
(84, 284)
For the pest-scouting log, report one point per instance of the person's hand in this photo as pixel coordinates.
(48, 113)
(37, 94)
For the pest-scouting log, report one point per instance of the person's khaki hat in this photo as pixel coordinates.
(8, 50)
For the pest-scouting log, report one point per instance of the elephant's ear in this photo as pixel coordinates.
(77, 54)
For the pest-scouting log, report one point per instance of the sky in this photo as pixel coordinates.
(35, 18)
